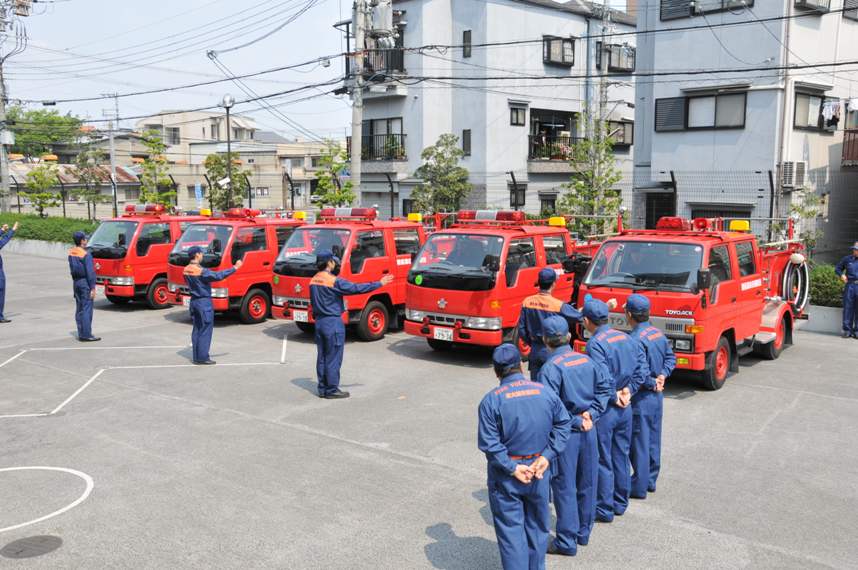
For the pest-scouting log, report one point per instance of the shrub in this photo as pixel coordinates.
(47, 229)
(826, 288)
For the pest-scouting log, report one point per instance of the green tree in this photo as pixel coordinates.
(37, 130)
(592, 192)
(332, 163)
(88, 169)
(231, 195)
(445, 183)
(40, 181)
(156, 187)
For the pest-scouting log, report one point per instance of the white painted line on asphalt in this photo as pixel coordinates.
(86, 478)
(283, 350)
(78, 391)
(13, 358)
(191, 365)
(106, 347)
(39, 415)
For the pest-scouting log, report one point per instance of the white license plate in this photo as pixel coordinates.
(99, 290)
(186, 301)
(301, 316)
(443, 334)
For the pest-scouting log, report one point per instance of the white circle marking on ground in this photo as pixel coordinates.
(86, 478)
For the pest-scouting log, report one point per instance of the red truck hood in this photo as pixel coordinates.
(670, 304)
(451, 302)
(111, 267)
(291, 286)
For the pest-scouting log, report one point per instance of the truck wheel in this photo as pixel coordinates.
(440, 345)
(306, 328)
(373, 322)
(772, 350)
(118, 300)
(254, 307)
(718, 365)
(156, 295)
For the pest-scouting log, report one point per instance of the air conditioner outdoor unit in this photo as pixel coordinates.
(22, 7)
(793, 174)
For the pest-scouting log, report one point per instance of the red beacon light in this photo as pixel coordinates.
(491, 216)
(147, 209)
(673, 223)
(701, 224)
(348, 213)
(241, 213)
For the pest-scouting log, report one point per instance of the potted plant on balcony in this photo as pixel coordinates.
(393, 150)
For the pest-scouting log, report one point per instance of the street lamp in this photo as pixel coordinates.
(227, 103)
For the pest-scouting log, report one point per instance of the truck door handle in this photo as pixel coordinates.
(733, 300)
(385, 272)
(266, 263)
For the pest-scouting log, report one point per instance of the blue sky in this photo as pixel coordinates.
(83, 48)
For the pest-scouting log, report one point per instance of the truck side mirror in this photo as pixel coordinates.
(216, 246)
(569, 263)
(492, 263)
(704, 279)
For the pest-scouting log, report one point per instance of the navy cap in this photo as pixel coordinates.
(327, 255)
(595, 310)
(78, 237)
(555, 326)
(506, 356)
(547, 277)
(193, 251)
(637, 304)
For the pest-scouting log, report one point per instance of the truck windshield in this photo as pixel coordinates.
(298, 256)
(110, 240)
(212, 238)
(646, 265)
(465, 262)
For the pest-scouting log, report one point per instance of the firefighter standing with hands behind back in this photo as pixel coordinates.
(847, 270)
(326, 299)
(82, 271)
(5, 235)
(199, 280)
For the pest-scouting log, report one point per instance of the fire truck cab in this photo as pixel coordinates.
(369, 249)
(130, 253)
(468, 281)
(240, 234)
(715, 293)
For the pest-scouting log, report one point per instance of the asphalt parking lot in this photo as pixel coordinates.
(166, 465)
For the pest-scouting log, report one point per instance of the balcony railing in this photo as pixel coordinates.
(850, 147)
(546, 147)
(381, 147)
(816, 5)
(381, 62)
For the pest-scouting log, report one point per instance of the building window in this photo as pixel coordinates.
(621, 132)
(670, 114)
(466, 142)
(517, 116)
(675, 9)
(251, 160)
(547, 207)
(726, 111)
(815, 112)
(262, 191)
(466, 43)
(850, 9)
(820, 6)
(407, 207)
(558, 51)
(215, 132)
(173, 135)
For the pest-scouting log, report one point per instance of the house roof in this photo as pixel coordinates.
(68, 175)
(269, 137)
(583, 8)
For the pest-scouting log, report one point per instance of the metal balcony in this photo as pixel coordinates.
(850, 147)
(381, 147)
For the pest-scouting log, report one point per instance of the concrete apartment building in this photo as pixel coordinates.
(748, 144)
(516, 124)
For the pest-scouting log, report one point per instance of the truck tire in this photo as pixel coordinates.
(718, 365)
(440, 345)
(771, 350)
(118, 300)
(306, 328)
(157, 294)
(374, 321)
(255, 307)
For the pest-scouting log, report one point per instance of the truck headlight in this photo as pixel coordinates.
(414, 315)
(220, 292)
(172, 287)
(122, 281)
(484, 323)
(682, 344)
(280, 301)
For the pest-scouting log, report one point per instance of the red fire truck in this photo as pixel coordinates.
(468, 281)
(239, 234)
(130, 253)
(715, 293)
(369, 248)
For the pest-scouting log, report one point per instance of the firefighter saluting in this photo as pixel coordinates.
(326, 299)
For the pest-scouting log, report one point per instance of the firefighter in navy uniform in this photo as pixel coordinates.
(523, 427)
(199, 280)
(648, 403)
(626, 366)
(847, 270)
(6, 234)
(585, 389)
(326, 300)
(534, 310)
(82, 271)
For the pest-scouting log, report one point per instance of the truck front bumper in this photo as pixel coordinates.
(118, 290)
(219, 304)
(462, 335)
(684, 360)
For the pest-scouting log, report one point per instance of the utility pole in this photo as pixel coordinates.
(360, 15)
(114, 116)
(4, 156)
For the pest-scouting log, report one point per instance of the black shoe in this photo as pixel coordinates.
(651, 490)
(90, 339)
(204, 362)
(5, 320)
(845, 335)
(606, 520)
(552, 549)
(338, 395)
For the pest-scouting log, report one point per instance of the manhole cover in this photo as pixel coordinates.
(31, 547)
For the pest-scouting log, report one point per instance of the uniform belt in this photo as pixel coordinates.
(519, 457)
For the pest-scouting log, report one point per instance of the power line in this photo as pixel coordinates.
(310, 4)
